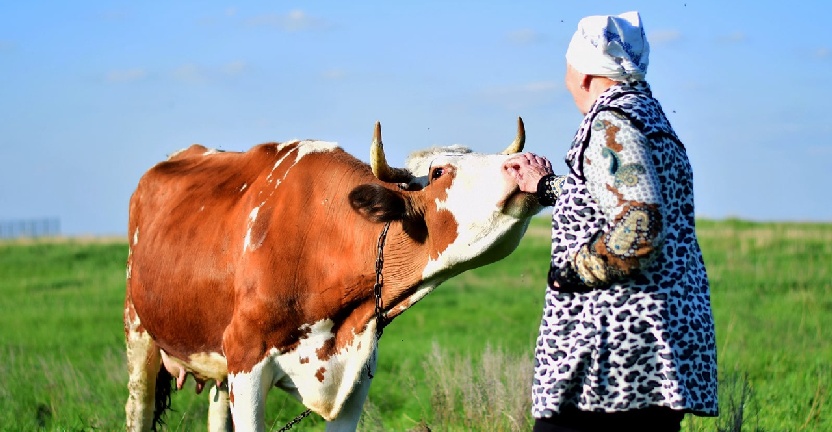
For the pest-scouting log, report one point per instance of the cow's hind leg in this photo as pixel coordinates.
(143, 361)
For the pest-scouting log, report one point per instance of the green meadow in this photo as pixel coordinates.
(460, 360)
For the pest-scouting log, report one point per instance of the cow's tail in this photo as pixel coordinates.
(164, 388)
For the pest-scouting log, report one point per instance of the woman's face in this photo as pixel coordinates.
(573, 81)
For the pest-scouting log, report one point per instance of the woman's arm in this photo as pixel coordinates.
(621, 177)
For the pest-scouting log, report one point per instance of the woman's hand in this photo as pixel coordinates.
(527, 169)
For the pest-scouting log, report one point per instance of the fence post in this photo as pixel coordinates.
(31, 228)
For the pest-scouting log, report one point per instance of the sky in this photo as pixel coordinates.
(94, 93)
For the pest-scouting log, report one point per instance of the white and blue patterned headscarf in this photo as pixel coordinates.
(610, 46)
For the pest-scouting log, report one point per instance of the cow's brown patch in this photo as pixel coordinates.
(443, 224)
(320, 374)
(439, 186)
(442, 238)
(327, 349)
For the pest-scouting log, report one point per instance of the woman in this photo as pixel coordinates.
(627, 337)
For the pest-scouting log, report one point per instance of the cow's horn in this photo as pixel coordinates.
(519, 141)
(378, 162)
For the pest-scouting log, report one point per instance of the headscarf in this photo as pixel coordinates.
(610, 46)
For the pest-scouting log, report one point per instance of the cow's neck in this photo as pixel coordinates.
(405, 259)
(406, 254)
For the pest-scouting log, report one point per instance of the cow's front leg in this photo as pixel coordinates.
(250, 374)
(347, 420)
(247, 394)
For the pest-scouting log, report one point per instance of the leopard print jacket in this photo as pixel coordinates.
(627, 321)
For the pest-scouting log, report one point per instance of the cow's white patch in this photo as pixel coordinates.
(142, 364)
(210, 152)
(136, 236)
(129, 261)
(243, 187)
(423, 290)
(277, 163)
(252, 217)
(283, 145)
(133, 323)
(174, 154)
(303, 148)
(318, 334)
(325, 384)
(309, 146)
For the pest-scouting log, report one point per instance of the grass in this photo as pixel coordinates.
(772, 296)
(459, 360)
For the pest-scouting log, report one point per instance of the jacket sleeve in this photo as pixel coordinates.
(549, 188)
(621, 176)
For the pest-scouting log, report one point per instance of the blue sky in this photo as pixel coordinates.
(93, 93)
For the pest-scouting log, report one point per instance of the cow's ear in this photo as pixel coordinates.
(377, 203)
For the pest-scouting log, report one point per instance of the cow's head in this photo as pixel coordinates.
(461, 204)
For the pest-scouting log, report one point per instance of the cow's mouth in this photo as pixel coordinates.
(521, 204)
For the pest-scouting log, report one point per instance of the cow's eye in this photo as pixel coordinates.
(436, 173)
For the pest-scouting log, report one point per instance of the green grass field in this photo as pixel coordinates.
(461, 355)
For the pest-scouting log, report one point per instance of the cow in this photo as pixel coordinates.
(280, 265)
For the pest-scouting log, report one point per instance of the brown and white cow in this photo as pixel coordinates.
(257, 269)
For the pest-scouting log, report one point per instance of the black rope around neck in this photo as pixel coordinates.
(381, 316)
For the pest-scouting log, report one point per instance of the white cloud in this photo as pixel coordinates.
(235, 68)
(189, 73)
(294, 21)
(660, 37)
(333, 74)
(821, 53)
(819, 151)
(125, 75)
(113, 15)
(735, 37)
(524, 36)
(691, 85)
